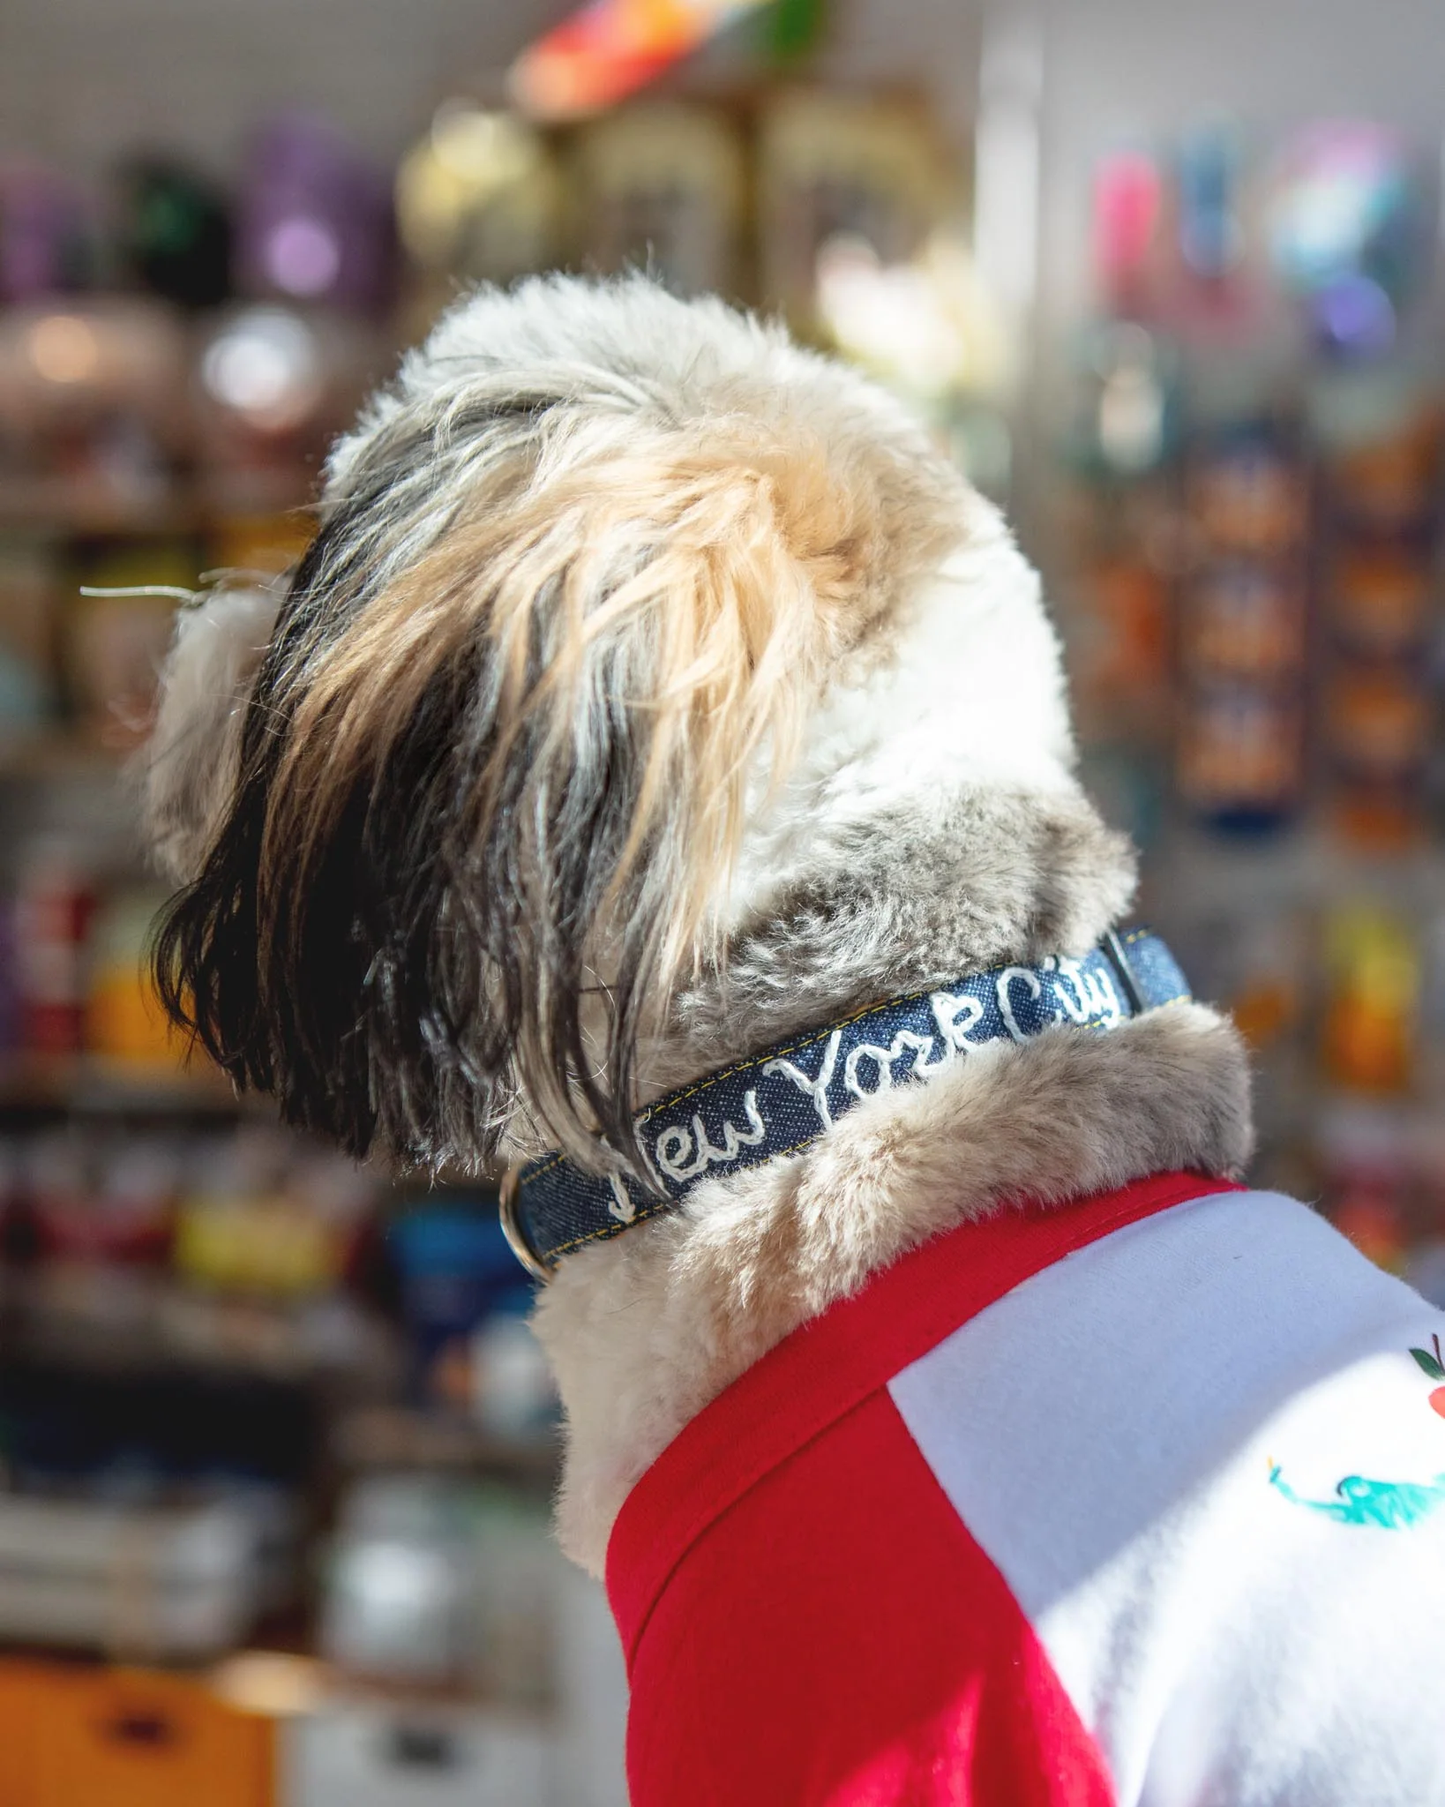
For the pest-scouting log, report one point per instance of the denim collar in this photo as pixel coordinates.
(777, 1102)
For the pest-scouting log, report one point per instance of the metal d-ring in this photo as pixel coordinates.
(507, 1196)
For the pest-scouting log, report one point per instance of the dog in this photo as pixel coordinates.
(658, 776)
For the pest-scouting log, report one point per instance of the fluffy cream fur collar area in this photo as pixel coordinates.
(644, 1331)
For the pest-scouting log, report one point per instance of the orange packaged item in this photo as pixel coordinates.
(1387, 479)
(1377, 722)
(124, 1023)
(1380, 600)
(1244, 618)
(1239, 756)
(133, 1738)
(1124, 679)
(21, 1690)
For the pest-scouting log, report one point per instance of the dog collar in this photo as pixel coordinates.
(779, 1101)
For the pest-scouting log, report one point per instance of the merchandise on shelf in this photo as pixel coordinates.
(445, 1583)
(663, 186)
(176, 233)
(73, 1734)
(1252, 470)
(54, 908)
(416, 1754)
(842, 167)
(166, 1584)
(461, 1295)
(313, 220)
(1241, 641)
(478, 199)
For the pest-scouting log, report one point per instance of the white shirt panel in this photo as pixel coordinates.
(1147, 1438)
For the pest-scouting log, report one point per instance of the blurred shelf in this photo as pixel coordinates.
(111, 1320)
(402, 1437)
(91, 1085)
(59, 753)
(81, 507)
(1202, 868)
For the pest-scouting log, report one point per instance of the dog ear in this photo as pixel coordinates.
(488, 802)
(190, 762)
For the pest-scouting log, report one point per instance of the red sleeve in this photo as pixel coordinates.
(837, 1639)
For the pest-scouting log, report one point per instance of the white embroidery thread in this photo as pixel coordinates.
(883, 1059)
(674, 1146)
(817, 1089)
(955, 1016)
(1005, 1003)
(620, 1205)
(1094, 993)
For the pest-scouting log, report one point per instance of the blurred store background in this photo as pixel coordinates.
(276, 1446)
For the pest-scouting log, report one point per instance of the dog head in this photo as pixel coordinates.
(616, 600)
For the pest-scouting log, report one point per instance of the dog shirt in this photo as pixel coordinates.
(1136, 1500)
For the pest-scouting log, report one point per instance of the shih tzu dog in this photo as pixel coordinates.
(658, 775)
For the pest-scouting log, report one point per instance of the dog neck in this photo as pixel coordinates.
(644, 1331)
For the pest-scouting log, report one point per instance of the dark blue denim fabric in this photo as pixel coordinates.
(777, 1102)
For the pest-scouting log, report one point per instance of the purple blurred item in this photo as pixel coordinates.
(42, 233)
(315, 221)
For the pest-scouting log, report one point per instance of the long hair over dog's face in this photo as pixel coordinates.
(451, 826)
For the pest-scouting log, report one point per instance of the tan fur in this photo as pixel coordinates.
(643, 1332)
(744, 567)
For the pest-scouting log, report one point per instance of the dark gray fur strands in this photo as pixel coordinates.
(900, 902)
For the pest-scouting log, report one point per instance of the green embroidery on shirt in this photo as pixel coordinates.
(1391, 1505)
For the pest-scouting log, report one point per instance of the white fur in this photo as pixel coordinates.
(971, 696)
(627, 342)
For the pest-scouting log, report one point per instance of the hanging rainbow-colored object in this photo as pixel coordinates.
(610, 48)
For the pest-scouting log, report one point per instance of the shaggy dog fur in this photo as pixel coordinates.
(652, 689)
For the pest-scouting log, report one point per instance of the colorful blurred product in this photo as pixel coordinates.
(610, 48)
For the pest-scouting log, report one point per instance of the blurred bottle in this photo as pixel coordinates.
(55, 903)
(257, 1218)
(107, 1200)
(272, 385)
(93, 390)
(1380, 437)
(1120, 448)
(456, 1270)
(114, 644)
(125, 1025)
(1369, 1027)
(175, 233)
(314, 220)
(514, 1395)
(30, 580)
(663, 184)
(397, 1604)
(1243, 642)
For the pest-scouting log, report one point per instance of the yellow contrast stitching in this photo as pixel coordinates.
(809, 1041)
